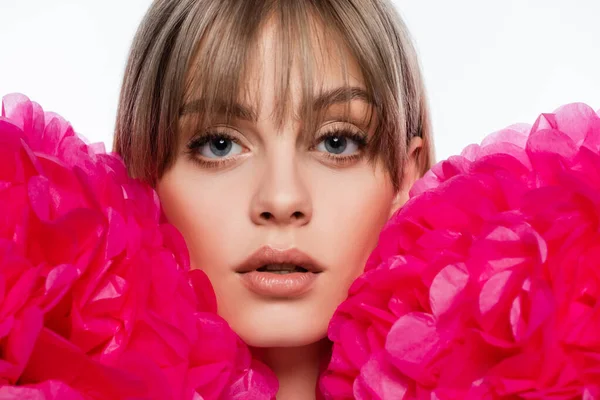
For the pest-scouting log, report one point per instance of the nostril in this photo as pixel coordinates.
(268, 216)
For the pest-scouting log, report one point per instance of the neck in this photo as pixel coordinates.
(296, 368)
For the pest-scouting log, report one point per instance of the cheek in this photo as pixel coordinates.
(349, 215)
(205, 211)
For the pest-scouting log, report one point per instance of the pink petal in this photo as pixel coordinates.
(445, 288)
(378, 379)
(48, 390)
(412, 342)
(493, 290)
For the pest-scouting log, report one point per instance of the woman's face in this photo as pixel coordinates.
(256, 189)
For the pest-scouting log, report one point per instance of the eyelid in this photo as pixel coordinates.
(202, 138)
(205, 135)
(336, 127)
(341, 128)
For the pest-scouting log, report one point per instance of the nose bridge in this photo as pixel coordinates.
(282, 196)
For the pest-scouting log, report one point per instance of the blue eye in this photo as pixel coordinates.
(216, 146)
(341, 143)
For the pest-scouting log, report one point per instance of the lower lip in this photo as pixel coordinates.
(279, 285)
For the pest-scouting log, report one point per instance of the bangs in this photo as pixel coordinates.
(219, 86)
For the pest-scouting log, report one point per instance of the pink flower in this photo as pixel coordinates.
(49, 390)
(96, 295)
(485, 284)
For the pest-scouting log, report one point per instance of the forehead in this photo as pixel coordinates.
(315, 53)
(277, 69)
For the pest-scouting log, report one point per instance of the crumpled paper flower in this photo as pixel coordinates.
(97, 299)
(486, 284)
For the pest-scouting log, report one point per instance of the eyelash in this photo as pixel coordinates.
(359, 139)
(199, 141)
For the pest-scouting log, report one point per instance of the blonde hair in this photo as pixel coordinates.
(186, 47)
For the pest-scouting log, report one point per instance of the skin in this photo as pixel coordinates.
(333, 212)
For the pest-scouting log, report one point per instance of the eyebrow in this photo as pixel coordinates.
(236, 110)
(322, 101)
(341, 95)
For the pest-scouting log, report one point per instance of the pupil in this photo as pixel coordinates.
(220, 147)
(335, 144)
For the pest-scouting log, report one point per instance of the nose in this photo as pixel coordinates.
(281, 197)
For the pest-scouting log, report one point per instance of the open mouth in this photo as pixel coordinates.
(267, 261)
(279, 273)
(281, 269)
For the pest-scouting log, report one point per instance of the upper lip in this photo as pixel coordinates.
(269, 255)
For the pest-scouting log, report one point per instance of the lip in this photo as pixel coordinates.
(278, 285)
(269, 255)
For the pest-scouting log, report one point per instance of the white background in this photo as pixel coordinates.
(487, 64)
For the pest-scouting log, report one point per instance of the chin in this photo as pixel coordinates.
(269, 340)
(280, 325)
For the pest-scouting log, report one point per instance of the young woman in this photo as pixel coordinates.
(280, 135)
